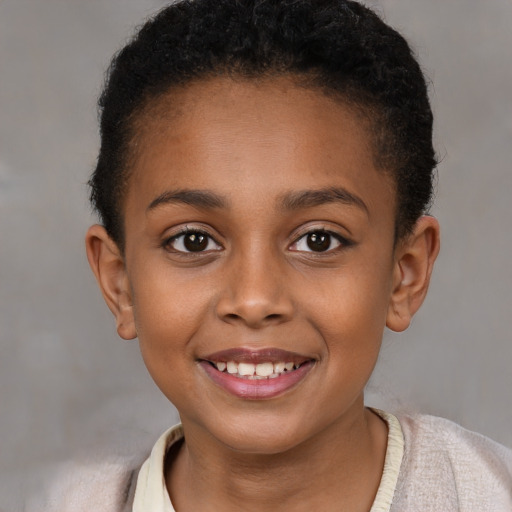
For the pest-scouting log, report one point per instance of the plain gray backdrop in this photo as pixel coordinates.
(68, 384)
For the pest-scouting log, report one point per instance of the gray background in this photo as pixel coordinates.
(67, 383)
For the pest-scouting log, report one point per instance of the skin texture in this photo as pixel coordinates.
(258, 285)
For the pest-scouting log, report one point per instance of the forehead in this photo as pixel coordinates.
(249, 136)
(272, 104)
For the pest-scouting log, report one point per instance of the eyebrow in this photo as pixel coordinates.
(312, 198)
(199, 198)
(207, 199)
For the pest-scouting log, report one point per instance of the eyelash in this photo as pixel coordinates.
(342, 241)
(168, 243)
(182, 234)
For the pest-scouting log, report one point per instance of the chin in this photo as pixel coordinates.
(261, 437)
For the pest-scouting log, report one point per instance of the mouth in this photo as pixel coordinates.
(260, 371)
(258, 374)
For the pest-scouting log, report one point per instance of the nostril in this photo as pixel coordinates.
(253, 318)
(272, 316)
(254, 309)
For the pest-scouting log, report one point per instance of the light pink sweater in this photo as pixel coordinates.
(445, 468)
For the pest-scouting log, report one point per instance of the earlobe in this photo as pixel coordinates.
(414, 261)
(107, 264)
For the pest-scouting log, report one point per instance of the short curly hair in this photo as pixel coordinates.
(339, 47)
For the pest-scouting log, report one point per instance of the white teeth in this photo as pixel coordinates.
(264, 369)
(232, 367)
(246, 368)
(279, 367)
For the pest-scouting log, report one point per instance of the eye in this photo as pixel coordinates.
(192, 241)
(319, 241)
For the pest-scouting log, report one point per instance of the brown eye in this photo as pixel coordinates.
(195, 242)
(192, 241)
(319, 241)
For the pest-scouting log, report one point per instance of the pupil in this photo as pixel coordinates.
(195, 242)
(319, 241)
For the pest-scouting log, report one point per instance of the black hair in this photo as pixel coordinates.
(339, 47)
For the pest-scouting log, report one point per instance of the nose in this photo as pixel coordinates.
(255, 292)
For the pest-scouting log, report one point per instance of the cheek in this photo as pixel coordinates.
(350, 311)
(163, 295)
(168, 310)
(352, 300)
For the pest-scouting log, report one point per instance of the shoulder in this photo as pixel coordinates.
(106, 485)
(434, 439)
(447, 467)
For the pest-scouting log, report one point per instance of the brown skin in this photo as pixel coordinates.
(259, 285)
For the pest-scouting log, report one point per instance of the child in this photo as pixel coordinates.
(263, 181)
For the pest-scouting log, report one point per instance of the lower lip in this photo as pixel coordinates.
(257, 389)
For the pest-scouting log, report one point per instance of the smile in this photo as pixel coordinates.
(256, 375)
(266, 370)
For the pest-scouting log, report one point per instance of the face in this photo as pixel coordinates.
(259, 260)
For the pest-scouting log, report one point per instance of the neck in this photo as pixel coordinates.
(338, 469)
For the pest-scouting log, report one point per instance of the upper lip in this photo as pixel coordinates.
(246, 355)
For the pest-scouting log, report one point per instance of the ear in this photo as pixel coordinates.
(107, 263)
(414, 261)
